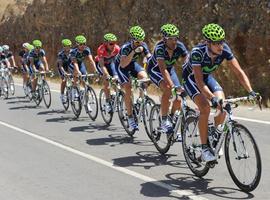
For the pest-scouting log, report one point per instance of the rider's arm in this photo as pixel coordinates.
(92, 63)
(103, 68)
(7, 63)
(165, 74)
(197, 70)
(31, 59)
(60, 64)
(125, 60)
(44, 59)
(234, 65)
(13, 61)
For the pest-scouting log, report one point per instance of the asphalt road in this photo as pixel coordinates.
(47, 154)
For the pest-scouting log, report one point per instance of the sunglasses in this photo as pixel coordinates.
(171, 38)
(82, 44)
(111, 44)
(218, 43)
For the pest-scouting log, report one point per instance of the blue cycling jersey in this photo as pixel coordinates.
(199, 56)
(79, 56)
(36, 55)
(62, 56)
(160, 52)
(126, 50)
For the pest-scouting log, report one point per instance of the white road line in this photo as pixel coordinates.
(252, 120)
(142, 177)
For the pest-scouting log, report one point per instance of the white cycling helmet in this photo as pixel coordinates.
(25, 45)
(5, 47)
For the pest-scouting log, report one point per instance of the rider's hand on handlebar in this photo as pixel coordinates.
(216, 102)
(253, 95)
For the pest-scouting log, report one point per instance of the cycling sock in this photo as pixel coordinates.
(204, 146)
(164, 118)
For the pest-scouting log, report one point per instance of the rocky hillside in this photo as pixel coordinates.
(246, 24)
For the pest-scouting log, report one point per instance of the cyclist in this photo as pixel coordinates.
(126, 65)
(24, 62)
(105, 59)
(3, 58)
(63, 62)
(201, 86)
(9, 55)
(38, 62)
(162, 72)
(77, 57)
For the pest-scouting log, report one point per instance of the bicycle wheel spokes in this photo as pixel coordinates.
(162, 141)
(11, 85)
(4, 87)
(75, 101)
(149, 103)
(123, 116)
(243, 158)
(106, 114)
(65, 101)
(46, 94)
(91, 103)
(192, 146)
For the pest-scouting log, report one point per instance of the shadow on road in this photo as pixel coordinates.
(53, 111)
(148, 159)
(26, 107)
(117, 139)
(94, 127)
(189, 182)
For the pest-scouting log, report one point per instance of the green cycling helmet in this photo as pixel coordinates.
(37, 43)
(80, 39)
(30, 47)
(66, 42)
(137, 33)
(109, 37)
(169, 30)
(213, 32)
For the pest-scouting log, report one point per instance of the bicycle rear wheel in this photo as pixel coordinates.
(46, 94)
(11, 85)
(243, 158)
(91, 103)
(123, 116)
(162, 141)
(191, 145)
(75, 101)
(107, 116)
(149, 103)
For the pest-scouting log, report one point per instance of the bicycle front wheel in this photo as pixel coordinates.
(243, 158)
(75, 101)
(65, 103)
(123, 116)
(46, 94)
(11, 85)
(91, 103)
(148, 104)
(4, 87)
(106, 115)
(162, 141)
(191, 145)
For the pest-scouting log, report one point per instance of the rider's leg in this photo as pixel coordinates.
(204, 108)
(219, 119)
(141, 75)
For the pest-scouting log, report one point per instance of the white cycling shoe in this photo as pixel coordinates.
(207, 155)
